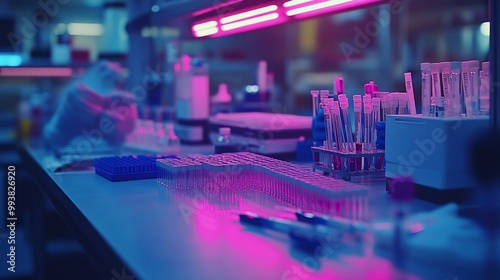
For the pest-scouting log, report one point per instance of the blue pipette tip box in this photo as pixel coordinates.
(127, 168)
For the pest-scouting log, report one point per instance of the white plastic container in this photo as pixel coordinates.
(434, 151)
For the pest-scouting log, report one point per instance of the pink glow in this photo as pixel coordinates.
(206, 32)
(316, 6)
(248, 14)
(416, 228)
(36, 72)
(295, 2)
(204, 25)
(252, 21)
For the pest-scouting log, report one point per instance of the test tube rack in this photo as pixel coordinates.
(349, 164)
(127, 168)
(247, 171)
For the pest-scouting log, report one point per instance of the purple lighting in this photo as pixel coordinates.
(262, 16)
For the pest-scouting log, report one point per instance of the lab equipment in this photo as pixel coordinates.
(153, 137)
(127, 168)
(346, 120)
(315, 101)
(393, 101)
(446, 77)
(436, 87)
(248, 171)
(221, 102)
(380, 143)
(368, 133)
(455, 90)
(318, 127)
(263, 133)
(358, 132)
(306, 236)
(223, 143)
(484, 94)
(426, 88)
(434, 152)
(339, 86)
(439, 106)
(329, 142)
(403, 103)
(363, 162)
(474, 85)
(384, 104)
(411, 95)
(335, 222)
(192, 99)
(280, 225)
(466, 84)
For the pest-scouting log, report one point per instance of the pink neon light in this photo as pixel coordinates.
(205, 25)
(36, 72)
(206, 32)
(295, 2)
(251, 21)
(315, 7)
(248, 14)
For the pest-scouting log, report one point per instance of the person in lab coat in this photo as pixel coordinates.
(94, 111)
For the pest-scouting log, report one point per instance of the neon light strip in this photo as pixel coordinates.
(206, 32)
(248, 14)
(294, 3)
(205, 25)
(250, 21)
(315, 7)
(36, 72)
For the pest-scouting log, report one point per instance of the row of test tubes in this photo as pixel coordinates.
(246, 171)
(455, 89)
(357, 135)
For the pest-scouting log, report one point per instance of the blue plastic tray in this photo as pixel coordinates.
(127, 168)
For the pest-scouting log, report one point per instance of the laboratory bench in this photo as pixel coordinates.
(144, 230)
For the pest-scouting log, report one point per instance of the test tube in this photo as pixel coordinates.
(393, 103)
(455, 90)
(324, 94)
(466, 84)
(368, 138)
(344, 106)
(376, 118)
(328, 141)
(337, 128)
(474, 85)
(484, 102)
(376, 109)
(357, 128)
(384, 103)
(339, 85)
(402, 103)
(411, 95)
(426, 88)
(436, 86)
(315, 101)
(337, 125)
(446, 76)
